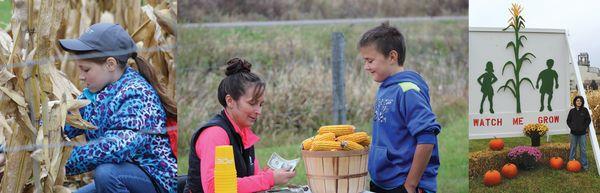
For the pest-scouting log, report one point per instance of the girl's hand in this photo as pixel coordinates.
(282, 177)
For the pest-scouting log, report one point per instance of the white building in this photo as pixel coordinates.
(588, 73)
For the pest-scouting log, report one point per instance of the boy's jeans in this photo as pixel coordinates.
(578, 140)
(122, 177)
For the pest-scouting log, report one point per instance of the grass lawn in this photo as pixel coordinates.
(452, 174)
(542, 179)
(5, 13)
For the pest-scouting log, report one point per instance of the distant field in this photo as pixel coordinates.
(261, 10)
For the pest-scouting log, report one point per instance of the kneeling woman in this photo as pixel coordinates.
(241, 95)
(129, 151)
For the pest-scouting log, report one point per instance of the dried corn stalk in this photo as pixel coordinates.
(593, 99)
(158, 32)
(152, 26)
(26, 92)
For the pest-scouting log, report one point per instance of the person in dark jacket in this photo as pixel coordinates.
(594, 85)
(578, 121)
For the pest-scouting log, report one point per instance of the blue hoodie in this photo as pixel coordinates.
(403, 118)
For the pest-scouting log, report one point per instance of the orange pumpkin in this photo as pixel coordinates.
(573, 166)
(496, 144)
(492, 178)
(509, 170)
(556, 163)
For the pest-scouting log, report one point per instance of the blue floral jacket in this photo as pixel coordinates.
(131, 128)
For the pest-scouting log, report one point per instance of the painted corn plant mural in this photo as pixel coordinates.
(517, 23)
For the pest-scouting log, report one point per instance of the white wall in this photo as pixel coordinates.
(489, 44)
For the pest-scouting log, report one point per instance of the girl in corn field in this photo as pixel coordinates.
(130, 149)
(241, 94)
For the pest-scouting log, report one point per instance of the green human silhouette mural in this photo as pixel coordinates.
(486, 80)
(549, 79)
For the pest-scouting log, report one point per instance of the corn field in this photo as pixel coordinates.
(39, 83)
(593, 100)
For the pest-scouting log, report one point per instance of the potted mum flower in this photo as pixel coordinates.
(525, 157)
(535, 131)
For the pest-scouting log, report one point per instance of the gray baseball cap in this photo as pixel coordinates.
(110, 39)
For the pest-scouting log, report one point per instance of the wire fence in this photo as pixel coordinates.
(50, 60)
(323, 22)
(33, 147)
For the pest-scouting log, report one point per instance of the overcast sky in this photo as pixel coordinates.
(581, 19)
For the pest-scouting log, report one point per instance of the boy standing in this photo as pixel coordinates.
(404, 153)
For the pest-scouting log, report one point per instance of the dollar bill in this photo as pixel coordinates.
(276, 162)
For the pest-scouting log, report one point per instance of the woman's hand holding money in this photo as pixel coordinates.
(282, 177)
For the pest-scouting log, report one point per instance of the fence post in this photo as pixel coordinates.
(338, 70)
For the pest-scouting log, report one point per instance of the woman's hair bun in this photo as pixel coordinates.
(237, 65)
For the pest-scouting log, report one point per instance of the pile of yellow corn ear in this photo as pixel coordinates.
(337, 138)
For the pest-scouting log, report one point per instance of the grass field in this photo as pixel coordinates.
(542, 179)
(5, 13)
